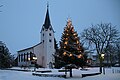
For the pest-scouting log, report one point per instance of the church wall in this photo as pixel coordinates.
(25, 61)
(47, 36)
(50, 48)
(38, 50)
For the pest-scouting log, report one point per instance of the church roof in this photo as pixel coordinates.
(47, 23)
(29, 47)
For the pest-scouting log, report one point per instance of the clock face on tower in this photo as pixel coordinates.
(1, 48)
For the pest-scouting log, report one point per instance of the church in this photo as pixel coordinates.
(41, 53)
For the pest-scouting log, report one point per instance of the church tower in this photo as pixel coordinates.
(47, 39)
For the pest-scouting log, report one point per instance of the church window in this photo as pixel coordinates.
(19, 58)
(43, 29)
(27, 56)
(43, 34)
(31, 56)
(50, 40)
(24, 57)
(43, 41)
(49, 34)
(50, 29)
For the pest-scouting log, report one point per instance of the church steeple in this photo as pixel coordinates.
(47, 41)
(47, 23)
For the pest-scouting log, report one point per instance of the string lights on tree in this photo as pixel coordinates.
(71, 50)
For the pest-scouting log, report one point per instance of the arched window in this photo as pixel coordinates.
(19, 58)
(31, 55)
(50, 28)
(24, 57)
(27, 56)
(50, 34)
(50, 40)
(43, 29)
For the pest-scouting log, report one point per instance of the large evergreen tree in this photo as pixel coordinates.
(71, 51)
(6, 58)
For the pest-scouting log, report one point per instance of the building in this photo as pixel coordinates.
(42, 51)
(108, 59)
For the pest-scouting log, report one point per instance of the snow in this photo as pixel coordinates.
(111, 74)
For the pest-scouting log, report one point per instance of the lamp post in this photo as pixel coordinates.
(101, 63)
(28, 63)
(35, 60)
(102, 56)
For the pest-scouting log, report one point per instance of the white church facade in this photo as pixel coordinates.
(42, 52)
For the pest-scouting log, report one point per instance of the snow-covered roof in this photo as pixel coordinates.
(29, 47)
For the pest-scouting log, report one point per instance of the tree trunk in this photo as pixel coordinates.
(111, 60)
(107, 59)
(70, 72)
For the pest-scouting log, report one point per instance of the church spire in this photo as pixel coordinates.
(47, 23)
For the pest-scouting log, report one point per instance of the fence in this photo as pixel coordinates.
(116, 70)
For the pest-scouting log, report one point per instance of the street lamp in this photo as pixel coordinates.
(102, 56)
(28, 59)
(101, 63)
(34, 60)
(28, 62)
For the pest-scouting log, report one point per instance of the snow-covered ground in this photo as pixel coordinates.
(111, 74)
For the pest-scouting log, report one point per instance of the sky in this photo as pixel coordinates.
(22, 20)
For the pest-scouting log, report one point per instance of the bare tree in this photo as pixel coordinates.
(118, 51)
(113, 54)
(100, 36)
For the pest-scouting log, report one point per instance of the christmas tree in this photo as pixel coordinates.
(71, 50)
